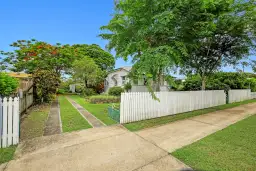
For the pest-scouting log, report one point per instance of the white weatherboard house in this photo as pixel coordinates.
(119, 77)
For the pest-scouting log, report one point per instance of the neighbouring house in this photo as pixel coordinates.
(119, 77)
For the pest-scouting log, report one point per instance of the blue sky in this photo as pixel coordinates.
(63, 21)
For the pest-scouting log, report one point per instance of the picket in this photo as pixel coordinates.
(239, 95)
(140, 105)
(10, 124)
(9, 121)
(4, 138)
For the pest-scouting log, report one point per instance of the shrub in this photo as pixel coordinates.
(115, 91)
(103, 99)
(128, 87)
(61, 91)
(89, 92)
(79, 89)
(8, 84)
(46, 84)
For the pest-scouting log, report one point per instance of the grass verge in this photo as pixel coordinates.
(6, 154)
(100, 111)
(70, 117)
(33, 123)
(135, 126)
(231, 149)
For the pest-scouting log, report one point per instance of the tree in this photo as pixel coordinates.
(31, 55)
(244, 64)
(103, 59)
(46, 83)
(204, 35)
(223, 37)
(87, 72)
(141, 28)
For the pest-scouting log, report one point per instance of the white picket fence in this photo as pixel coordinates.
(253, 95)
(140, 105)
(239, 95)
(9, 121)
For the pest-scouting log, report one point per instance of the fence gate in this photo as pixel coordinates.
(9, 121)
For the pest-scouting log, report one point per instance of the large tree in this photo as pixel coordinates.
(203, 34)
(30, 55)
(87, 72)
(102, 58)
(224, 37)
(144, 30)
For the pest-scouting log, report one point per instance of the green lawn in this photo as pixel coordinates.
(70, 117)
(135, 126)
(33, 124)
(6, 154)
(231, 149)
(100, 111)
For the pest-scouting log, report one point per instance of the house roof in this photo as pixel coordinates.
(127, 68)
(19, 75)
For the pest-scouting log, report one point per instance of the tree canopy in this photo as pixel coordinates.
(199, 36)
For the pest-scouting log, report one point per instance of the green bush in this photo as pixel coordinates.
(222, 81)
(115, 91)
(128, 87)
(79, 89)
(89, 92)
(61, 91)
(103, 99)
(8, 84)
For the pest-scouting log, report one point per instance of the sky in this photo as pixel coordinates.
(57, 21)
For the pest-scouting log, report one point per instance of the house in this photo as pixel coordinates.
(119, 77)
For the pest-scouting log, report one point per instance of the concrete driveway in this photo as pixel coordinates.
(97, 149)
(116, 149)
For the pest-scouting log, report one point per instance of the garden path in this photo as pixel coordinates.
(87, 115)
(53, 123)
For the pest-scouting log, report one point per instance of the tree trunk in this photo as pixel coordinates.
(203, 82)
(158, 85)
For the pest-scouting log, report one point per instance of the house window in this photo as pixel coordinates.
(123, 80)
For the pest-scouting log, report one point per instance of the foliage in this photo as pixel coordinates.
(199, 36)
(89, 92)
(115, 91)
(103, 59)
(221, 81)
(128, 87)
(8, 84)
(31, 55)
(87, 72)
(103, 99)
(65, 84)
(221, 36)
(46, 83)
(79, 89)
(61, 91)
(145, 31)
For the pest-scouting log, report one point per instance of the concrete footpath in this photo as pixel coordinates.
(116, 149)
(180, 133)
